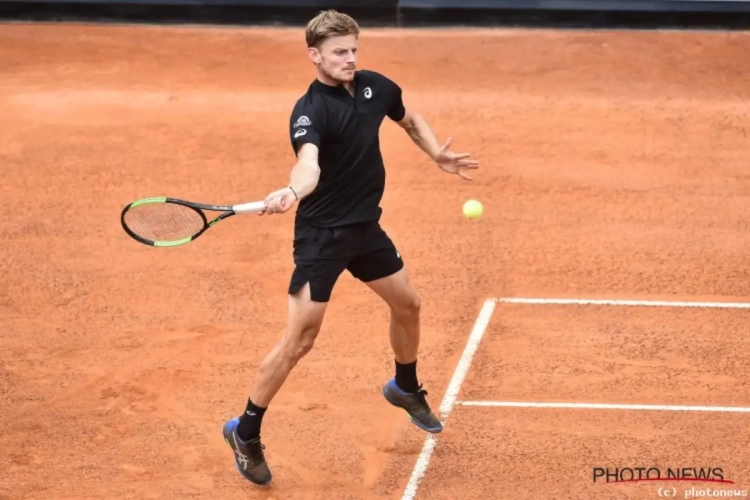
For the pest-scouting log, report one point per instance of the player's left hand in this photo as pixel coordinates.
(280, 201)
(454, 163)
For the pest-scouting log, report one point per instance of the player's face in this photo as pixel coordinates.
(337, 58)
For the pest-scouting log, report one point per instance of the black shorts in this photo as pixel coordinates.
(322, 254)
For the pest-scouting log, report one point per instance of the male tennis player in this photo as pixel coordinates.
(337, 184)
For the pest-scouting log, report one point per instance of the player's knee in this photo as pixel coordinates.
(409, 307)
(301, 343)
(306, 343)
(414, 305)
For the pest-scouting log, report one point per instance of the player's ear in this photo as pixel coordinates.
(314, 54)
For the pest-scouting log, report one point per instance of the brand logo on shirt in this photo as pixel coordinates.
(303, 121)
(300, 133)
(368, 92)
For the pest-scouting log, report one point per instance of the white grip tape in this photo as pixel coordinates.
(253, 206)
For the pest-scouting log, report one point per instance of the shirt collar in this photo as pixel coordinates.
(335, 90)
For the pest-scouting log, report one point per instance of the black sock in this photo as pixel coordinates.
(406, 376)
(249, 426)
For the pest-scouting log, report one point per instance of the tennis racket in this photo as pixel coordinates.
(169, 222)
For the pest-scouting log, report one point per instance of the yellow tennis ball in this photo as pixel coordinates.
(473, 209)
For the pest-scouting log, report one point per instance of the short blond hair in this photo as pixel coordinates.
(329, 23)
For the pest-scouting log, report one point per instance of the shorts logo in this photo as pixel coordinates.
(303, 121)
(368, 92)
(300, 133)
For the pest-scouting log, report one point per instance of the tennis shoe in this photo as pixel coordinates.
(248, 455)
(415, 405)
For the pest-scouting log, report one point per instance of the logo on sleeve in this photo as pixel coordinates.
(368, 92)
(303, 121)
(300, 133)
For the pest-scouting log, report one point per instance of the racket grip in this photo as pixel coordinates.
(252, 207)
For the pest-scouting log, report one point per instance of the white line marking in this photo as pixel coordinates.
(600, 406)
(647, 303)
(483, 320)
(454, 387)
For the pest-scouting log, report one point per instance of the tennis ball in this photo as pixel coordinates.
(473, 209)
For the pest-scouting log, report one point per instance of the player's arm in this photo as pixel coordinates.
(306, 172)
(306, 130)
(421, 133)
(302, 181)
(423, 136)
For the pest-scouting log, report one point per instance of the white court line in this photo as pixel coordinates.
(604, 406)
(454, 387)
(612, 302)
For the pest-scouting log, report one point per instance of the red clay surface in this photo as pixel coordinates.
(613, 164)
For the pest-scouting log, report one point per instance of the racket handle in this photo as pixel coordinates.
(252, 207)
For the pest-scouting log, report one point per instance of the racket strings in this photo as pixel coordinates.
(163, 221)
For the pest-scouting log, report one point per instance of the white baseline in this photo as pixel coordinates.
(614, 302)
(604, 406)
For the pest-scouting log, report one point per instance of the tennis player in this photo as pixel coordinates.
(337, 184)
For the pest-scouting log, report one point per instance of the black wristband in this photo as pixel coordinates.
(295, 192)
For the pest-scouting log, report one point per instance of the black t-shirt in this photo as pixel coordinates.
(346, 131)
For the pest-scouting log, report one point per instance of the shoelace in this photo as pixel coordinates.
(256, 450)
(421, 395)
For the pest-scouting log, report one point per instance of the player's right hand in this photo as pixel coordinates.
(280, 201)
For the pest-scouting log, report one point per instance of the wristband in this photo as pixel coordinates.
(295, 192)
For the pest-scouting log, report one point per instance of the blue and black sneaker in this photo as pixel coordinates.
(415, 404)
(248, 455)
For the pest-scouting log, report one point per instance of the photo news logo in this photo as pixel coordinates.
(638, 474)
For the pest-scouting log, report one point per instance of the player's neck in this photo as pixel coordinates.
(326, 80)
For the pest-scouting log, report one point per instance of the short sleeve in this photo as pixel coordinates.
(396, 109)
(306, 124)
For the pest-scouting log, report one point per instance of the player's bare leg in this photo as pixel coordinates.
(404, 390)
(404, 328)
(305, 318)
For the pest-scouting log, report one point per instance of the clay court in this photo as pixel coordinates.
(614, 166)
